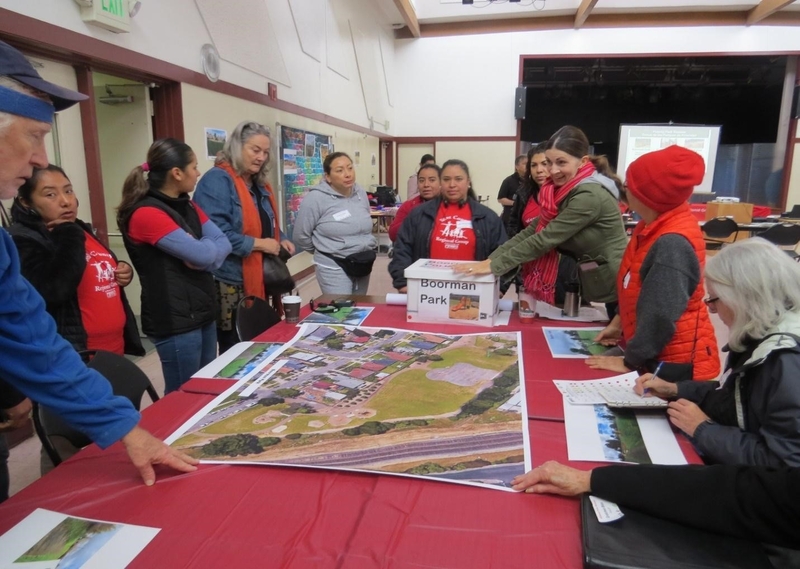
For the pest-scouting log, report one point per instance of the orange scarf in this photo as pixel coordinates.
(252, 265)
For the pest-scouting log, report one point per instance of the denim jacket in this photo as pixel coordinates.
(216, 194)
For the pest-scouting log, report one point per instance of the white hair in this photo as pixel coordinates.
(234, 146)
(759, 283)
(7, 118)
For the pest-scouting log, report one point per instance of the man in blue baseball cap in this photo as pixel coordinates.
(34, 359)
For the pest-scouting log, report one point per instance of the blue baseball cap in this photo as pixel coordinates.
(14, 65)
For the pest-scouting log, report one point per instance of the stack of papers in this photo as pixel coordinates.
(612, 391)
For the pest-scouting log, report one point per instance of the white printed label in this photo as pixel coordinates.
(605, 511)
(342, 215)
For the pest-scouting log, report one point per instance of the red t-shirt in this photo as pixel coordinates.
(150, 224)
(453, 237)
(100, 300)
(531, 212)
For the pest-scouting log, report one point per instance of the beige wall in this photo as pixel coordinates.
(489, 163)
(793, 195)
(203, 108)
(408, 156)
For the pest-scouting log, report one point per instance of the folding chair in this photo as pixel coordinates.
(253, 316)
(717, 231)
(786, 236)
(59, 439)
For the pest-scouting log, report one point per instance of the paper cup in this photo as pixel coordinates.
(527, 307)
(291, 308)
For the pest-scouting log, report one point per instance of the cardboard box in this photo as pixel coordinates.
(436, 294)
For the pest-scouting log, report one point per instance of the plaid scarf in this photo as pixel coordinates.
(539, 275)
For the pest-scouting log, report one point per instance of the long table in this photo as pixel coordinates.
(282, 517)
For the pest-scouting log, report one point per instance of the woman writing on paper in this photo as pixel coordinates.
(334, 222)
(754, 416)
(579, 217)
(453, 226)
(662, 318)
(237, 197)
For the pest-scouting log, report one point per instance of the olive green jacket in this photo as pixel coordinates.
(588, 228)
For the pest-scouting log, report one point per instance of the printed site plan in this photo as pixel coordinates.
(377, 399)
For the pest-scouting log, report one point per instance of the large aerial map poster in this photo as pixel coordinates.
(378, 399)
(302, 154)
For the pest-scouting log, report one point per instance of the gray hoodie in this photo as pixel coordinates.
(329, 222)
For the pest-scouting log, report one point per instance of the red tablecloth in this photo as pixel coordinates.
(293, 518)
(253, 516)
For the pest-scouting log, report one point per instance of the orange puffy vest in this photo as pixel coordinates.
(694, 340)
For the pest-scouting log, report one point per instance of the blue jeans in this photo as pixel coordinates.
(183, 354)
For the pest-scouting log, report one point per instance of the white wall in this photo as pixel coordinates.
(469, 88)
(174, 31)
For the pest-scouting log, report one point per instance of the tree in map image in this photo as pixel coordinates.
(69, 534)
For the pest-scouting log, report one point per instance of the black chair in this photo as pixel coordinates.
(794, 213)
(59, 439)
(717, 231)
(253, 316)
(786, 236)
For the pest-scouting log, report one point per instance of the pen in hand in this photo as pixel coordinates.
(655, 375)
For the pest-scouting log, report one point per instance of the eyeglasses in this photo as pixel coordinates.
(710, 301)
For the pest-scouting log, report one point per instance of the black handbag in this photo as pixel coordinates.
(277, 278)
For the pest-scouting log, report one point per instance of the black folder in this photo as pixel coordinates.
(640, 541)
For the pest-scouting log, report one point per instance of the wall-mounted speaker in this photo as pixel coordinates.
(796, 103)
(520, 101)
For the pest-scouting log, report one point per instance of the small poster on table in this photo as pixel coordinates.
(50, 540)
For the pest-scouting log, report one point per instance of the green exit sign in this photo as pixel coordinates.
(111, 15)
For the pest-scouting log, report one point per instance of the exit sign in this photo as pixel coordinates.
(111, 15)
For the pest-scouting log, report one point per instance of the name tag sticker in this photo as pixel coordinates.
(342, 215)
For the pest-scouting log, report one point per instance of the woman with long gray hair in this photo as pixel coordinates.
(237, 197)
(754, 416)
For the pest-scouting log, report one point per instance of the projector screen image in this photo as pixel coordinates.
(636, 140)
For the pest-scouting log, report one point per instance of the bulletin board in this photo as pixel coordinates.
(302, 153)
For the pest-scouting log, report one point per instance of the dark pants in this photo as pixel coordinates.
(5, 480)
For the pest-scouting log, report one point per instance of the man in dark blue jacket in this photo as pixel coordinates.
(34, 359)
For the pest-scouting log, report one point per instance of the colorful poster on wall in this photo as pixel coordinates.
(215, 140)
(303, 153)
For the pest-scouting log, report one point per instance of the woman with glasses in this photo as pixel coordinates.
(236, 196)
(662, 321)
(754, 416)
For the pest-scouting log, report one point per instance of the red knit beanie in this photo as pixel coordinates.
(664, 179)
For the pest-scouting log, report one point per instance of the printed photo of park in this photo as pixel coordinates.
(248, 361)
(69, 545)
(620, 435)
(394, 401)
(573, 342)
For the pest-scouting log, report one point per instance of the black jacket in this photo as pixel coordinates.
(414, 240)
(175, 298)
(54, 263)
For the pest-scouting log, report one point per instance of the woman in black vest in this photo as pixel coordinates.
(173, 246)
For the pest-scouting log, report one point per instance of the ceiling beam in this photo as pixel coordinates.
(630, 20)
(409, 16)
(764, 9)
(583, 12)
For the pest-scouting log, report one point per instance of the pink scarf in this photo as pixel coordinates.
(539, 275)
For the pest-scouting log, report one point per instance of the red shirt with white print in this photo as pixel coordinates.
(531, 212)
(100, 300)
(453, 237)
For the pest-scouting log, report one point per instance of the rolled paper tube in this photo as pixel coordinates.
(397, 299)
